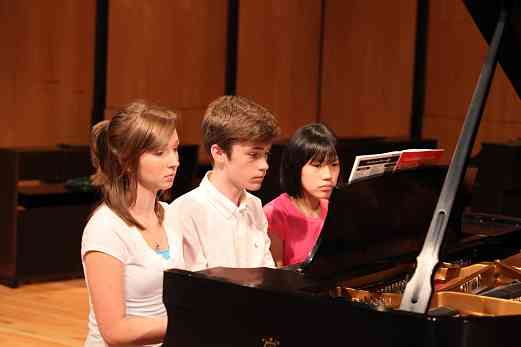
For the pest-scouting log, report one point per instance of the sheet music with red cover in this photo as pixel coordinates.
(376, 164)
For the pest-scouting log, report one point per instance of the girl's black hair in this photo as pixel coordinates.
(314, 142)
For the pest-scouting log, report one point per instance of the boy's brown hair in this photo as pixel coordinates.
(234, 119)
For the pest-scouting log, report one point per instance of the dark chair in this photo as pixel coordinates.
(184, 179)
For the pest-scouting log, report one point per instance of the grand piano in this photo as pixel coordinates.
(401, 260)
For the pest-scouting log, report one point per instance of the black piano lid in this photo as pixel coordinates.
(388, 217)
(266, 278)
(485, 14)
(379, 219)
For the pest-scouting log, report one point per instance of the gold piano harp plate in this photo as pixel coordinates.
(514, 262)
(506, 273)
(475, 305)
(385, 300)
(446, 272)
(476, 278)
(451, 280)
(465, 304)
(471, 279)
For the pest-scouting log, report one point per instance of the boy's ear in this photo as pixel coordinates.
(218, 153)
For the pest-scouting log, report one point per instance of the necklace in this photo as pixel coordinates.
(151, 225)
(155, 243)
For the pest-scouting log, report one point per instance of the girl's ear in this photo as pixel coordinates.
(218, 153)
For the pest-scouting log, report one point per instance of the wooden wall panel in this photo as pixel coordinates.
(278, 58)
(168, 52)
(368, 57)
(47, 69)
(456, 52)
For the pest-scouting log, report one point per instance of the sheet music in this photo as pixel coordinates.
(377, 164)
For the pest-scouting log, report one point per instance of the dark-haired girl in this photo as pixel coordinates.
(309, 172)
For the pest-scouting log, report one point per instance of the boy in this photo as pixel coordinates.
(222, 224)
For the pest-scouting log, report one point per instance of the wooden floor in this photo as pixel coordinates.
(44, 314)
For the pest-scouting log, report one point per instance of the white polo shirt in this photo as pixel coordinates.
(216, 232)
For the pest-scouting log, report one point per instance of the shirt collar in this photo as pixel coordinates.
(224, 205)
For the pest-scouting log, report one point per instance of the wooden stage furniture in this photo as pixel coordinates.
(41, 222)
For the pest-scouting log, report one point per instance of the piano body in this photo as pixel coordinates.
(352, 289)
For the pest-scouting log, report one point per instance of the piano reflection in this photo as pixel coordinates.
(399, 262)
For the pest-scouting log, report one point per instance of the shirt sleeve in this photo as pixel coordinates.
(275, 220)
(175, 238)
(181, 221)
(268, 258)
(101, 235)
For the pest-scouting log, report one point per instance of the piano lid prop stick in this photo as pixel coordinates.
(417, 294)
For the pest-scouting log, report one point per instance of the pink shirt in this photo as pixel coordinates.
(298, 232)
